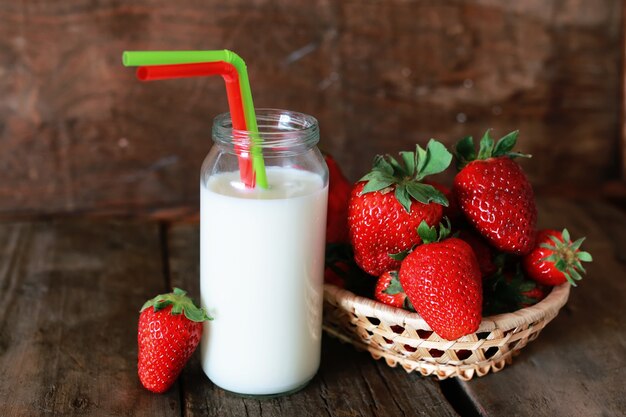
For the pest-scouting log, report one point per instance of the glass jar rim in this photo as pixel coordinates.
(298, 129)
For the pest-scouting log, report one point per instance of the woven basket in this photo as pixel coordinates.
(404, 338)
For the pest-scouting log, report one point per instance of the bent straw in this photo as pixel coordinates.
(233, 92)
(149, 58)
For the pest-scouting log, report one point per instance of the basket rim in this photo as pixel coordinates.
(548, 307)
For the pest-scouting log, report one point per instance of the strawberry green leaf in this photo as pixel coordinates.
(398, 170)
(444, 231)
(196, 314)
(464, 151)
(402, 195)
(506, 144)
(552, 258)
(409, 162)
(427, 233)
(180, 303)
(416, 191)
(566, 256)
(486, 146)
(436, 196)
(546, 246)
(394, 285)
(177, 309)
(381, 164)
(421, 158)
(425, 193)
(575, 274)
(570, 279)
(400, 255)
(556, 240)
(561, 265)
(409, 170)
(518, 155)
(576, 245)
(377, 183)
(437, 159)
(377, 174)
(157, 302)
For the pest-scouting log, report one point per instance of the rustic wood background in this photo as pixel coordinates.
(79, 134)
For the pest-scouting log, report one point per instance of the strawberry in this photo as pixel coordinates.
(389, 291)
(388, 204)
(166, 338)
(442, 280)
(556, 259)
(509, 290)
(338, 195)
(481, 250)
(494, 193)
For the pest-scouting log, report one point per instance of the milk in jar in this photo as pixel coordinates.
(261, 270)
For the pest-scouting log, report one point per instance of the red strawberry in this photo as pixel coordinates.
(388, 204)
(167, 338)
(389, 291)
(556, 259)
(442, 280)
(338, 195)
(495, 195)
(481, 250)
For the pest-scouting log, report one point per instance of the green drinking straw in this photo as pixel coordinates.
(146, 58)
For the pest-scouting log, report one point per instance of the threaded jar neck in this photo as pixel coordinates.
(281, 133)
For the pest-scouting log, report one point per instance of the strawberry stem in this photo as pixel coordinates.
(465, 152)
(180, 303)
(406, 177)
(567, 256)
(430, 234)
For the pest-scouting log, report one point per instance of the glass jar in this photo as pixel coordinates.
(262, 256)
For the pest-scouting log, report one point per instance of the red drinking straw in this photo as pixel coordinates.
(233, 92)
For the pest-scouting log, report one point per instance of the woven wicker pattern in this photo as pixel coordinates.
(404, 338)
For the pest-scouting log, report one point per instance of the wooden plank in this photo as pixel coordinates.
(69, 298)
(80, 134)
(575, 366)
(623, 101)
(349, 383)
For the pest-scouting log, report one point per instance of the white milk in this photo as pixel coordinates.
(261, 279)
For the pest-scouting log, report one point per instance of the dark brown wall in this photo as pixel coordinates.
(78, 133)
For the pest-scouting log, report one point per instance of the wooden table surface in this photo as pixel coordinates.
(70, 291)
